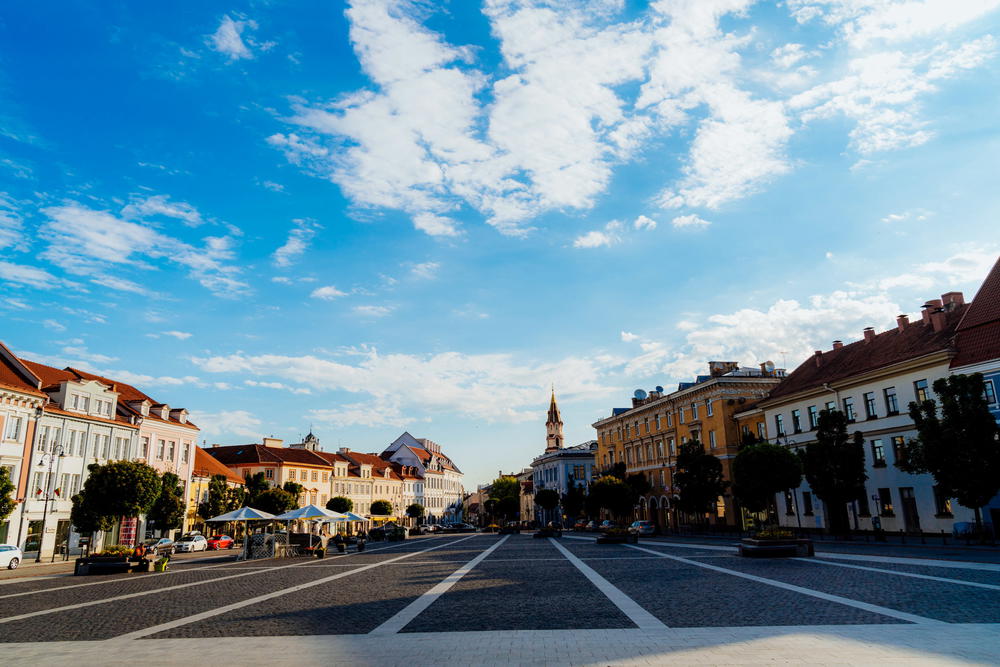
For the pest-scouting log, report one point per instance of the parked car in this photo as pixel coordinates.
(591, 526)
(580, 525)
(157, 546)
(429, 527)
(607, 524)
(462, 528)
(195, 542)
(216, 542)
(642, 528)
(10, 556)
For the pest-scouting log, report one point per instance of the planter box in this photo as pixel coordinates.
(104, 565)
(752, 548)
(618, 539)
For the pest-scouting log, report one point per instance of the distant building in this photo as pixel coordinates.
(559, 468)
(204, 469)
(443, 489)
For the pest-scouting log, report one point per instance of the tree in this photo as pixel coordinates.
(275, 501)
(961, 447)
(218, 498)
(834, 466)
(236, 497)
(573, 500)
(381, 507)
(547, 499)
(295, 489)
(7, 489)
(256, 485)
(638, 485)
(415, 510)
(116, 489)
(612, 494)
(698, 478)
(340, 504)
(762, 470)
(167, 512)
(505, 486)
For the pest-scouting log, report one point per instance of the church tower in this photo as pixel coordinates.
(553, 427)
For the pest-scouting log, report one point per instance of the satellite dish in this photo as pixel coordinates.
(769, 366)
(640, 394)
(659, 389)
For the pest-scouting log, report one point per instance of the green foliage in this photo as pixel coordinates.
(294, 488)
(698, 479)
(275, 501)
(256, 485)
(961, 447)
(615, 470)
(547, 499)
(415, 511)
(236, 497)
(573, 501)
(115, 550)
(218, 498)
(7, 489)
(167, 512)
(508, 507)
(505, 486)
(638, 484)
(381, 507)
(116, 489)
(774, 534)
(340, 504)
(834, 466)
(612, 494)
(762, 470)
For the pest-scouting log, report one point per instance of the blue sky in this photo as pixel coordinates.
(389, 215)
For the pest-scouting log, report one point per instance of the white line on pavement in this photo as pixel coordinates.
(162, 589)
(876, 609)
(145, 632)
(900, 573)
(418, 606)
(642, 618)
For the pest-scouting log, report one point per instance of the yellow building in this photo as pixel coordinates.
(647, 436)
(205, 467)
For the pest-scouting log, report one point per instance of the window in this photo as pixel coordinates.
(789, 504)
(659, 449)
(711, 439)
(105, 445)
(291, 475)
(670, 419)
(145, 447)
(662, 480)
(797, 421)
(680, 415)
(694, 411)
(708, 407)
(898, 448)
(326, 477)
(807, 503)
(870, 412)
(891, 401)
(580, 472)
(831, 406)
(863, 508)
(269, 473)
(160, 445)
(171, 449)
(942, 503)
(14, 428)
(626, 430)
(673, 447)
(989, 393)
(878, 453)
(760, 430)
(920, 390)
(315, 475)
(849, 408)
(121, 451)
(813, 417)
(656, 419)
(885, 503)
(779, 424)
(645, 424)
(185, 452)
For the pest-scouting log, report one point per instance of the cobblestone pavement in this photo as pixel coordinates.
(486, 599)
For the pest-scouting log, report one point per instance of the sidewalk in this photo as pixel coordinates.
(62, 568)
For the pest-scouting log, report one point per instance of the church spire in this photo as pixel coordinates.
(553, 426)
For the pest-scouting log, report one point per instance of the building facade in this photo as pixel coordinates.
(872, 381)
(280, 464)
(647, 437)
(204, 468)
(443, 482)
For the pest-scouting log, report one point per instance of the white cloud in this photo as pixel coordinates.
(160, 205)
(436, 225)
(179, 335)
(302, 233)
(492, 387)
(918, 215)
(81, 352)
(28, 275)
(272, 186)
(642, 222)
(327, 293)
(282, 280)
(85, 241)
(597, 238)
(277, 385)
(54, 325)
(228, 39)
(789, 54)
(228, 423)
(425, 270)
(11, 227)
(121, 284)
(372, 311)
(692, 221)
(628, 337)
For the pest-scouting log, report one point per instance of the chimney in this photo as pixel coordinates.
(345, 450)
(273, 442)
(938, 319)
(902, 321)
(869, 334)
(818, 356)
(952, 300)
(929, 308)
(837, 344)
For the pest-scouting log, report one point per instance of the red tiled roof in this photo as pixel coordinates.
(50, 377)
(332, 457)
(206, 465)
(253, 453)
(378, 464)
(126, 393)
(889, 347)
(12, 378)
(978, 336)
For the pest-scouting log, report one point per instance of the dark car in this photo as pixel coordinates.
(580, 525)
(157, 546)
(461, 528)
(607, 524)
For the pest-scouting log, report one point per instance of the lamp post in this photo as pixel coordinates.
(57, 450)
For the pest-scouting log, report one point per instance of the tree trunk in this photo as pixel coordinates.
(839, 521)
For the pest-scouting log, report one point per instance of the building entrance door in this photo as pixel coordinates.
(911, 519)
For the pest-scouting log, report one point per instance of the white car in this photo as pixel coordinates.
(191, 543)
(10, 556)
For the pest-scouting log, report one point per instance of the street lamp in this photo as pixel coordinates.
(57, 450)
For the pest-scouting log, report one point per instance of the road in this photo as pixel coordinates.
(487, 599)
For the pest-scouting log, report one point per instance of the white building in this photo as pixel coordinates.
(443, 489)
(872, 381)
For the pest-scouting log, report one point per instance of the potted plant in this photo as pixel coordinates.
(618, 536)
(775, 542)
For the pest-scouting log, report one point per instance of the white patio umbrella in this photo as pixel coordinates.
(310, 513)
(244, 514)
